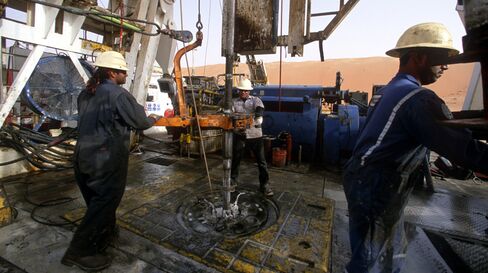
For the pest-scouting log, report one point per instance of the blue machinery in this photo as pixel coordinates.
(327, 137)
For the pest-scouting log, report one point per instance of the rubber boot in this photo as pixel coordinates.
(266, 190)
(89, 263)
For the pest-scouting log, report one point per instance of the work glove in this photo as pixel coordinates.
(155, 117)
(258, 121)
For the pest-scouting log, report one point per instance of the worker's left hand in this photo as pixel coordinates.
(155, 117)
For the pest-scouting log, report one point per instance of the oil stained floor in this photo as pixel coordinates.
(448, 229)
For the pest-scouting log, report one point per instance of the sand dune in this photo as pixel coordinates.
(358, 74)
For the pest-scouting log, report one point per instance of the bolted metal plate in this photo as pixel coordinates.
(422, 256)
(450, 214)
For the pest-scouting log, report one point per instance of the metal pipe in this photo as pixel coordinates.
(182, 111)
(299, 155)
(484, 82)
(228, 26)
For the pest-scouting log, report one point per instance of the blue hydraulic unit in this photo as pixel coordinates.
(317, 134)
(340, 132)
(294, 109)
(340, 126)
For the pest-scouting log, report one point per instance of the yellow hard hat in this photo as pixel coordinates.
(111, 59)
(245, 84)
(425, 35)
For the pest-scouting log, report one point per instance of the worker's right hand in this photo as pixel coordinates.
(155, 117)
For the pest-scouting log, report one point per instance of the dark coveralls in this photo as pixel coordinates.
(101, 160)
(251, 140)
(402, 122)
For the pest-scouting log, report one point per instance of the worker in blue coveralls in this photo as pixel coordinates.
(107, 112)
(402, 122)
(251, 138)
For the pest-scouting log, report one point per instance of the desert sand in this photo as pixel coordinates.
(358, 74)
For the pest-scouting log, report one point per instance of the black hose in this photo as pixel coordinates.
(37, 148)
(47, 203)
(88, 13)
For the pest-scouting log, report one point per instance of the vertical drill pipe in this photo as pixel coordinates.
(178, 76)
(229, 13)
(484, 82)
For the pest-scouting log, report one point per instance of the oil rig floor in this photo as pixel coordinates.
(448, 229)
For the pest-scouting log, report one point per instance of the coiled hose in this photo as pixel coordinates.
(40, 150)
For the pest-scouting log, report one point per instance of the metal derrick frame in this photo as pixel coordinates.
(40, 32)
(295, 40)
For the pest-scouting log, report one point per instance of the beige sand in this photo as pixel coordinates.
(358, 74)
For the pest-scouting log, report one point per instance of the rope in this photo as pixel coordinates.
(281, 56)
(193, 97)
(208, 35)
(121, 34)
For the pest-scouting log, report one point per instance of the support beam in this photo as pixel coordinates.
(344, 10)
(42, 35)
(20, 32)
(78, 66)
(147, 54)
(131, 56)
(19, 81)
(167, 45)
(296, 27)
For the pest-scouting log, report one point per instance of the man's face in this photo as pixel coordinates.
(120, 76)
(430, 73)
(243, 94)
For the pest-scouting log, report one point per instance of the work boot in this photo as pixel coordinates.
(233, 183)
(91, 263)
(266, 190)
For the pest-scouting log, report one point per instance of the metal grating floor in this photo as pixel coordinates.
(299, 241)
(474, 255)
(451, 214)
(161, 161)
(456, 230)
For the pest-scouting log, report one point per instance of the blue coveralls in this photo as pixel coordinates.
(402, 123)
(101, 160)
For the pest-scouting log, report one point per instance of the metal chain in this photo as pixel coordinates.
(199, 24)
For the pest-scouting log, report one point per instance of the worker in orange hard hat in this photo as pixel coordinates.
(402, 123)
(251, 138)
(107, 112)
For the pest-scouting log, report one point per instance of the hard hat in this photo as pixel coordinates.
(425, 35)
(111, 59)
(244, 84)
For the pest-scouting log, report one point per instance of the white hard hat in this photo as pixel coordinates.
(425, 35)
(111, 59)
(245, 84)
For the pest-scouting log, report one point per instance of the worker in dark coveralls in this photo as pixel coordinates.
(107, 113)
(402, 122)
(251, 138)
